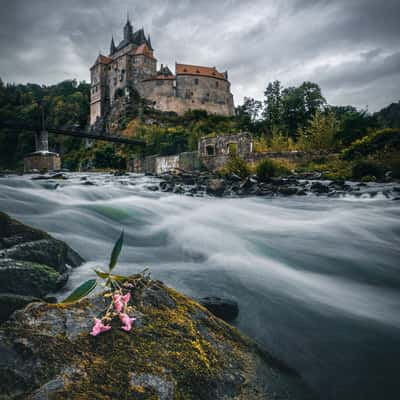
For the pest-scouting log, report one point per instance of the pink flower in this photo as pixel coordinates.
(126, 298)
(126, 321)
(99, 327)
(121, 301)
(118, 303)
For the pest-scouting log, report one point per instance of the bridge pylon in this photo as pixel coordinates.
(42, 141)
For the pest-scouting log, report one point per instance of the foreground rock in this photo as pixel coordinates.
(32, 264)
(176, 350)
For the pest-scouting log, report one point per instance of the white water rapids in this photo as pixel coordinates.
(317, 279)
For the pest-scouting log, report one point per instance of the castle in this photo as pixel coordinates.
(132, 66)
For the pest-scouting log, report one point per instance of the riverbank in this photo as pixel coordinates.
(205, 183)
(202, 183)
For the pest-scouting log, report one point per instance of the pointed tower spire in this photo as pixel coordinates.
(112, 46)
(149, 42)
(128, 29)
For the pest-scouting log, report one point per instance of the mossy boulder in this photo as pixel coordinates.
(176, 350)
(28, 278)
(10, 302)
(22, 242)
(32, 263)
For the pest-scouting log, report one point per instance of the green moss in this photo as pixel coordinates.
(179, 343)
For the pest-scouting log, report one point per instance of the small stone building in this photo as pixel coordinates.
(215, 151)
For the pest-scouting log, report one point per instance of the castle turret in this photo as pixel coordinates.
(112, 46)
(149, 43)
(128, 30)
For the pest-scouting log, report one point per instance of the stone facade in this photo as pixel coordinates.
(215, 151)
(131, 66)
(42, 161)
(188, 161)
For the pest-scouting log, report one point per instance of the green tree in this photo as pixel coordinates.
(273, 105)
(299, 105)
(320, 134)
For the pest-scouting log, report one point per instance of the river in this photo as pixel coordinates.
(317, 279)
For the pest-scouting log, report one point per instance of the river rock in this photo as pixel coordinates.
(176, 350)
(216, 187)
(225, 309)
(32, 263)
(28, 278)
(318, 187)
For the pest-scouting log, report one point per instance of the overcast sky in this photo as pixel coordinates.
(351, 48)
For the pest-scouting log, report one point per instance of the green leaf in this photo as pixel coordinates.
(81, 291)
(101, 274)
(118, 277)
(116, 250)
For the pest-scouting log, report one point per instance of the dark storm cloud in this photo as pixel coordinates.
(351, 48)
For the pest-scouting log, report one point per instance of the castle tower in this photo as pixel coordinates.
(112, 46)
(128, 31)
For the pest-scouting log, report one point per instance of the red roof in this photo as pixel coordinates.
(103, 59)
(144, 49)
(186, 69)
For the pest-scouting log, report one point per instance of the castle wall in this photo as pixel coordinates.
(181, 106)
(155, 88)
(167, 163)
(98, 91)
(117, 76)
(206, 93)
(95, 111)
(143, 67)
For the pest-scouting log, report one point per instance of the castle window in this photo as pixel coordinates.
(196, 81)
(232, 148)
(216, 84)
(210, 150)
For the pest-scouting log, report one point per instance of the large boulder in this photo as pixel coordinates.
(32, 263)
(22, 242)
(216, 187)
(176, 350)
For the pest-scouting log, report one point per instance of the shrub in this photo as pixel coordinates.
(238, 166)
(268, 168)
(392, 161)
(379, 141)
(367, 168)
